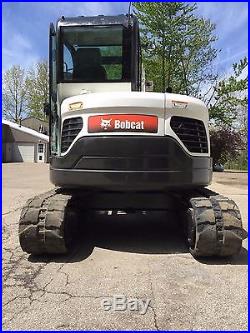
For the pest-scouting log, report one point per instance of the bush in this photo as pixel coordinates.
(226, 145)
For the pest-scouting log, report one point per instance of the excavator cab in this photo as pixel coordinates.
(94, 54)
(96, 49)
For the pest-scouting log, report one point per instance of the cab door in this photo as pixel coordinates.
(54, 119)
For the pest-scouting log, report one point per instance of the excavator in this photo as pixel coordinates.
(114, 145)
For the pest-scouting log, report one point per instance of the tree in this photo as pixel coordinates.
(37, 84)
(14, 93)
(228, 100)
(179, 50)
(226, 144)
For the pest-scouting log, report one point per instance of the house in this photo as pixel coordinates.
(22, 144)
(36, 124)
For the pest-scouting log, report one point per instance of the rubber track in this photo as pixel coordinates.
(215, 225)
(47, 223)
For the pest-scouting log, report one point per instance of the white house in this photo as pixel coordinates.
(22, 144)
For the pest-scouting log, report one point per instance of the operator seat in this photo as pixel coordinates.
(87, 65)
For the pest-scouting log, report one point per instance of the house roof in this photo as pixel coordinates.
(25, 130)
(38, 119)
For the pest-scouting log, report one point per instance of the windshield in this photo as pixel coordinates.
(95, 54)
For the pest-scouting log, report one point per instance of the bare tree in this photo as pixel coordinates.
(14, 93)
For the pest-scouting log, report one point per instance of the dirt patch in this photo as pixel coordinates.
(231, 179)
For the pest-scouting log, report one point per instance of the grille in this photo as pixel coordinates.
(70, 130)
(191, 132)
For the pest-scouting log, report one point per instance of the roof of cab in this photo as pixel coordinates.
(96, 20)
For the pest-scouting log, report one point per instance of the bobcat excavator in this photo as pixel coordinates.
(115, 146)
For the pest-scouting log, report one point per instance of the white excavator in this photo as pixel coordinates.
(116, 146)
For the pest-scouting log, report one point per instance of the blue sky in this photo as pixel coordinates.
(25, 27)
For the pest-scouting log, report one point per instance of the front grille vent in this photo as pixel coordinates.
(70, 130)
(191, 132)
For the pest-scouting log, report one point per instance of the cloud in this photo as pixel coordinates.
(231, 19)
(29, 35)
(231, 58)
(84, 8)
(17, 49)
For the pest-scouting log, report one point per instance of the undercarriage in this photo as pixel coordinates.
(212, 223)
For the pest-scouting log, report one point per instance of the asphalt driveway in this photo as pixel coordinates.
(141, 257)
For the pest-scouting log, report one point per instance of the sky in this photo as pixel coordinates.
(25, 28)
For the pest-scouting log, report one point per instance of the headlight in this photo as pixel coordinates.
(75, 106)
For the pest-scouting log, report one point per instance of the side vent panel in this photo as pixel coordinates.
(191, 132)
(71, 128)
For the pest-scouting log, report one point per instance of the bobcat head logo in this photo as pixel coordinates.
(105, 123)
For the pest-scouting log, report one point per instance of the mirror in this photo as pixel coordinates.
(169, 90)
(46, 108)
(149, 86)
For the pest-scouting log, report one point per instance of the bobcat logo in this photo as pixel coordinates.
(105, 124)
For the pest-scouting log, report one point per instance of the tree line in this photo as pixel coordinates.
(25, 91)
(178, 51)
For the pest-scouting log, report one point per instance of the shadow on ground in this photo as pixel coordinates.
(138, 232)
